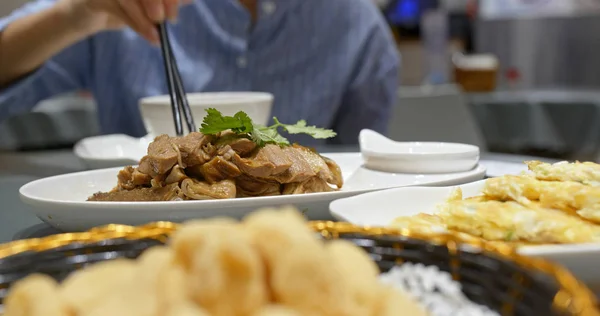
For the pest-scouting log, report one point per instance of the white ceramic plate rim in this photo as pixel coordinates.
(158, 205)
(337, 208)
(213, 98)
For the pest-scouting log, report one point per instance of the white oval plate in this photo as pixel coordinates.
(382, 207)
(61, 200)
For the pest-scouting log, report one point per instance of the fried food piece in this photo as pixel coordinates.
(131, 299)
(276, 310)
(570, 197)
(274, 231)
(421, 223)
(87, 288)
(186, 309)
(143, 294)
(225, 274)
(393, 301)
(587, 173)
(158, 272)
(272, 264)
(299, 268)
(364, 287)
(511, 221)
(36, 295)
(304, 280)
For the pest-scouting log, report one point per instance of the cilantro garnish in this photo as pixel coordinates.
(214, 122)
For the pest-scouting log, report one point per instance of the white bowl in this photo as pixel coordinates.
(383, 154)
(158, 118)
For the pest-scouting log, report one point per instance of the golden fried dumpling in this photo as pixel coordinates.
(276, 230)
(225, 274)
(587, 173)
(394, 302)
(277, 310)
(361, 276)
(144, 295)
(300, 272)
(36, 295)
(508, 221)
(87, 288)
(131, 299)
(186, 309)
(158, 273)
(304, 280)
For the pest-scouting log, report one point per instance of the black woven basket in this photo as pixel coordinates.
(490, 274)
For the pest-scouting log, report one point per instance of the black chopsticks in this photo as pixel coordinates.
(179, 101)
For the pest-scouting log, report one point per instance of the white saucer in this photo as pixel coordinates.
(61, 200)
(109, 151)
(382, 207)
(384, 154)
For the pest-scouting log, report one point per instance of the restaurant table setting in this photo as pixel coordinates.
(381, 167)
(231, 218)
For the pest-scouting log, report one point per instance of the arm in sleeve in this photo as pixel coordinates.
(372, 94)
(67, 71)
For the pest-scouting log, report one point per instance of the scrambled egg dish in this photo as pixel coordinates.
(552, 204)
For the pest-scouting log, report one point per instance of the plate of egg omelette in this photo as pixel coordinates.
(550, 211)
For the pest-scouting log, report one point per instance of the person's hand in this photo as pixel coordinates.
(92, 16)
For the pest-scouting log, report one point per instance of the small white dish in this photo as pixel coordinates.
(381, 208)
(158, 119)
(383, 154)
(109, 151)
(61, 200)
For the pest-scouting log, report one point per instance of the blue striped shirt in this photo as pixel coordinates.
(331, 62)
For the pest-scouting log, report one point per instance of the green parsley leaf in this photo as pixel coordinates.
(263, 135)
(241, 124)
(246, 122)
(302, 128)
(214, 122)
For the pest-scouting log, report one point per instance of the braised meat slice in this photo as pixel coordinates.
(240, 144)
(130, 178)
(316, 162)
(176, 175)
(219, 169)
(200, 190)
(312, 185)
(167, 193)
(337, 178)
(193, 148)
(162, 155)
(264, 162)
(300, 170)
(248, 186)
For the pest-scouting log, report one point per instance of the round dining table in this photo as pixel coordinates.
(17, 220)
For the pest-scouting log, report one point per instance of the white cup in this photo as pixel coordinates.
(158, 118)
